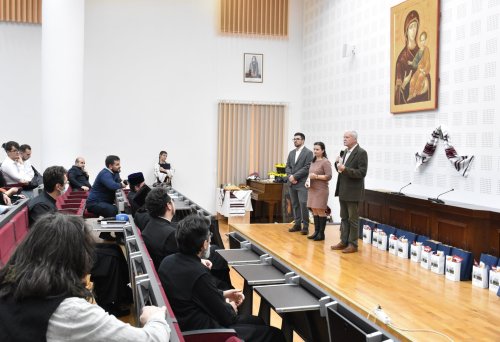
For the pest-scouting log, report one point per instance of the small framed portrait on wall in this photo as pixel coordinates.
(253, 67)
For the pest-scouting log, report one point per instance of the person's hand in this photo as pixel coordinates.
(340, 167)
(6, 199)
(312, 175)
(12, 191)
(308, 183)
(149, 312)
(235, 296)
(207, 263)
(292, 179)
(233, 305)
(85, 188)
(406, 79)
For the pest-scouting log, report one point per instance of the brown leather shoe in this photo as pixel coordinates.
(338, 246)
(350, 249)
(294, 229)
(304, 231)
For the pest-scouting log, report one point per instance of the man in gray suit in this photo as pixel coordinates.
(297, 170)
(352, 165)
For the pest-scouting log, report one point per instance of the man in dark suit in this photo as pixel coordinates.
(78, 176)
(351, 165)
(297, 170)
(159, 234)
(54, 182)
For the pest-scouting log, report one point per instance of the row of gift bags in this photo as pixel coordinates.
(486, 273)
(454, 263)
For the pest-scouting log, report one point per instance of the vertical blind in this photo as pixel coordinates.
(21, 11)
(260, 17)
(251, 139)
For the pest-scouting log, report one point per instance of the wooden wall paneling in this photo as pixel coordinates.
(374, 211)
(420, 223)
(473, 228)
(452, 233)
(398, 217)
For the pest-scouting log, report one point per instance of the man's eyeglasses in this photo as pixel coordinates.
(296, 139)
(14, 151)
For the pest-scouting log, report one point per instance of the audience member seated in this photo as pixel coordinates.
(159, 237)
(193, 294)
(25, 153)
(137, 199)
(163, 170)
(138, 191)
(54, 185)
(159, 234)
(44, 297)
(13, 166)
(7, 194)
(36, 177)
(78, 177)
(101, 198)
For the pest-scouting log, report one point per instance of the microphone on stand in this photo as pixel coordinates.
(437, 200)
(399, 192)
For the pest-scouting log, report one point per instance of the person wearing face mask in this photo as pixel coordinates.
(54, 184)
(193, 294)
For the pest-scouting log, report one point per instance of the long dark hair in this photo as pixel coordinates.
(53, 260)
(322, 146)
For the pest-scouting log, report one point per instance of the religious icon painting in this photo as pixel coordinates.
(414, 56)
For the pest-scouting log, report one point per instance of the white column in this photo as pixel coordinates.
(62, 80)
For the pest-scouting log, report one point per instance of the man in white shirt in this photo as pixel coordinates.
(25, 151)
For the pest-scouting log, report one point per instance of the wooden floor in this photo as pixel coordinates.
(414, 298)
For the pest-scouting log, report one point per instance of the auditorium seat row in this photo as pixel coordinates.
(147, 290)
(198, 210)
(13, 229)
(305, 308)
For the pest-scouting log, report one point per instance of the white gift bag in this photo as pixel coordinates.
(426, 258)
(416, 252)
(494, 279)
(452, 269)
(393, 244)
(403, 247)
(367, 234)
(382, 241)
(480, 276)
(437, 262)
(375, 238)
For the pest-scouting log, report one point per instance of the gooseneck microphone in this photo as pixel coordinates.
(399, 192)
(437, 200)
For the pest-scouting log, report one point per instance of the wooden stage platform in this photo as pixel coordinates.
(414, 298)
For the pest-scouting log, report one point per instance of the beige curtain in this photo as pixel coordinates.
(21, 11)
(251, 139)
(259, 17)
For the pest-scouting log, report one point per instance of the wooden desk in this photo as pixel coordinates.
(268, 192)
(472, 228)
